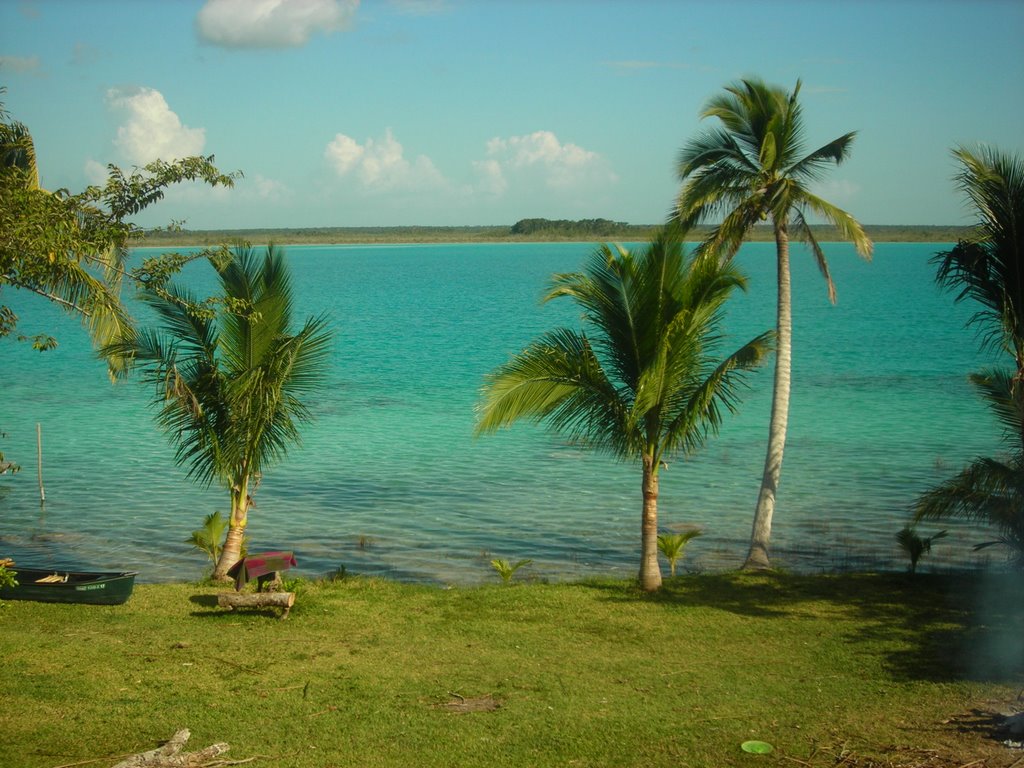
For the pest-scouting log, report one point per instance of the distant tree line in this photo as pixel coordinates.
(566, 228)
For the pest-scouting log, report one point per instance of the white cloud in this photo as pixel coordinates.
(271, 23)
(492, 179)
(839, 192)
(540, 156)
(380, 164)
(269, 189)
(19, 64)
(95, 172)
(152, 130)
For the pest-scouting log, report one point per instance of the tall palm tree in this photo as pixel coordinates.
(646, 385)
(229, 382)
(988, 268)
(752, 169)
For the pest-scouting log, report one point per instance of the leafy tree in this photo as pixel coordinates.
(641, 381)
(988, 269)
(229, 384)
(71, 249)
(567, 228)
(751, 169)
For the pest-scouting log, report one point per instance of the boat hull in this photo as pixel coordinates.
(93, 588)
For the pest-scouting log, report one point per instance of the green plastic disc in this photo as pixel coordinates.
(756, 747)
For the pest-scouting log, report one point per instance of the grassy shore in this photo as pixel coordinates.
(499, 234)
(857, 670)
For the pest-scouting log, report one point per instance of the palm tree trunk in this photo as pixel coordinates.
(232, 551)
(757, 557)
(650, 570)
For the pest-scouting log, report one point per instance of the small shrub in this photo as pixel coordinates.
(673, 545)
(916, 546)
(210, 537)
(507, 570)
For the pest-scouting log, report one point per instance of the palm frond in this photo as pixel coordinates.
(557, 378)
(811, 167)
(988, 491)
(989, 266)
(849, 228)
(806, 235)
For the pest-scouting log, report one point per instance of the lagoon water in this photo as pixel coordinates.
(390, 480)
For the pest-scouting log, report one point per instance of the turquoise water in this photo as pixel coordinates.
(390, 480)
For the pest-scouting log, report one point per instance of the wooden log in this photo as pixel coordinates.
(232, 600)
(171, 756)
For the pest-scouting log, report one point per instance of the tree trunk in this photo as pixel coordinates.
(171, 756)
(757, 557)
(650, 570)
(232, 551)
(283, 600)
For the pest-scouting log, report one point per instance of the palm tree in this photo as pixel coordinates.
(646, 385)
(750, 170)
(229, 382)
(916, 546)
(988, 268)
(673, 546)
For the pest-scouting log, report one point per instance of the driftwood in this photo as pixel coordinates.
(171, 756)
(231, 600)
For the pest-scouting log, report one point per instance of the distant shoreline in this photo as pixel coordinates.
(501, 234)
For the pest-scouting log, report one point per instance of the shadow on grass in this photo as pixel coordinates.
(207, 601)
(934, 627)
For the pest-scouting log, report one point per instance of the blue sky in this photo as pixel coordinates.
(404, 112)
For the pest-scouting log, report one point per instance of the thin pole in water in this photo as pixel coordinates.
(39, 462)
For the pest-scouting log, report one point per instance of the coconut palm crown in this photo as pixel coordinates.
(642, 381)
(229, 383)
(988, 269)
(753, 168)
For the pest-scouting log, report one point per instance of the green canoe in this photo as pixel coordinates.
(59, 586)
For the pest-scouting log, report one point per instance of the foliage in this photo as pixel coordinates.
(230, 384)
(507, 570)
(491, 234)
(71, 249)
(916, 546)
(208, 539)
(589, 228)
(641, 381)
(751, 169)
(988, 269)
(673, 545)
(989, 490)
(7, 577)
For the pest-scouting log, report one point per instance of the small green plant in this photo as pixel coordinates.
(210, 538)
(673, 545)
(7, 577)
(338, 574)
(507, 570)
(6, 580)
(916, 546)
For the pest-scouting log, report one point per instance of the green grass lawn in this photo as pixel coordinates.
(851, 670)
